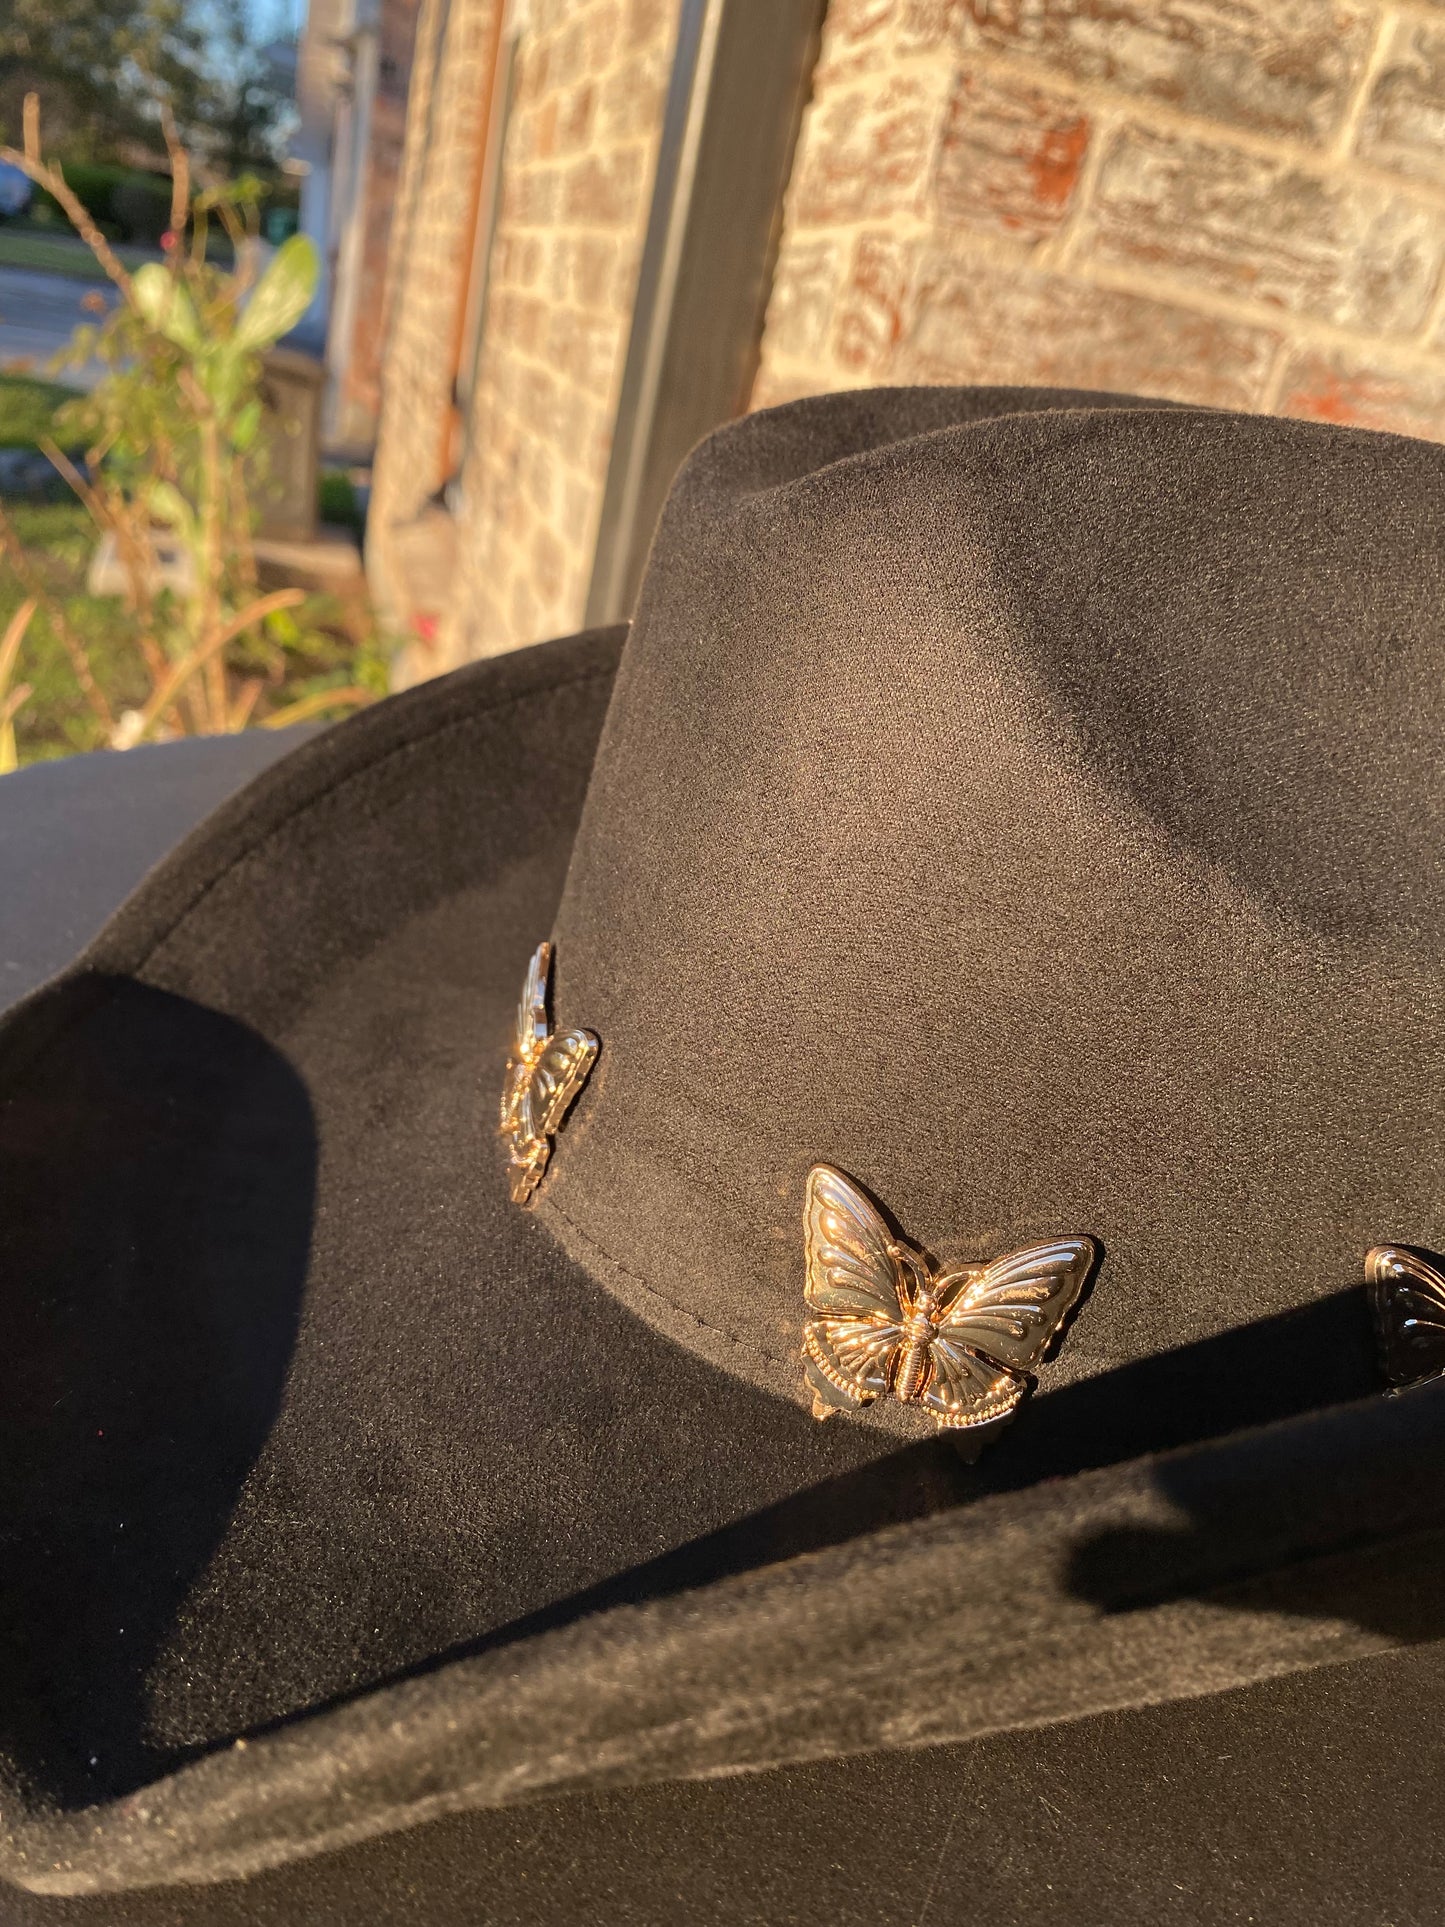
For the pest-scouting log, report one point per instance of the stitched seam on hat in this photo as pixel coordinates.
(748, 1349)
(1100, 1361)
(341, 782)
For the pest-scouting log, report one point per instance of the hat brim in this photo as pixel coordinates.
(1310, 1801)
(313, 1439)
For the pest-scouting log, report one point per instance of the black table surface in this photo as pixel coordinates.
(78, 835)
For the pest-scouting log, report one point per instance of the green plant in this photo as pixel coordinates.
(94, 182)
(28, 408)
(337, 646)
(171, 439)
(337, 501)
(122, 201)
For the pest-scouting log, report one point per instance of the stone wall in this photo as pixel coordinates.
(578, 166)
(1239, 202)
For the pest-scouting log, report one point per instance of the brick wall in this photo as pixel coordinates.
(578, 167)
(359, 395)
(1239, 202)
(422, 296)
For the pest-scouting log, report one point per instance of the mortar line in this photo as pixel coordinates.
(1432, 329)
(1061, 250)
(1157, 116)
(1272, 387)
(1342, 147)
(1189, 297)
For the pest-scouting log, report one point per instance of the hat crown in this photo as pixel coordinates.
(1031, 806)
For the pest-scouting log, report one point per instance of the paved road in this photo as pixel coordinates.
(37, 314)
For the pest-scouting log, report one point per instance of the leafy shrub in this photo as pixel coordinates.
(124, 203)
(337, 501)
(142, 208)
(170, 439)
(27, 409)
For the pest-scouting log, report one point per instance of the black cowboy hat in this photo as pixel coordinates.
(992, 906)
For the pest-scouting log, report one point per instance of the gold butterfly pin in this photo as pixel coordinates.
(544, 1075)
(958, 1341)
(1407, 1297)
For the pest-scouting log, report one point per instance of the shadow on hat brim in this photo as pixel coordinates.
(313, 1440)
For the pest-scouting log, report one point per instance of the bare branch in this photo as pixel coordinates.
(16, 700)
(58, 459)
(180, 171)
(14, 635)
(316, 704)
(50, 178)
(246, 701)
(187, 667)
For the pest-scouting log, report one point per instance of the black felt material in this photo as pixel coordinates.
(1304, 1802)
(1039, 816)
(244, 1472)
(308, 1436)
(1302, 1546)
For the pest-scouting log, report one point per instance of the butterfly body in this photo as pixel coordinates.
(544, 1074)
(920, 1312)
(958, 1342)
(913, 1365)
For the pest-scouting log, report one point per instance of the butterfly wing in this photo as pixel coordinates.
(1407, 1298)
(999, 1326)
(1011, 1310)
(532, 1011)
(531, 1035)
(964, 1389)
(539, 1099)
(557, 1076)
(852, 1283)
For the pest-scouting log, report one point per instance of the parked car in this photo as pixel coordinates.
(16, 189)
